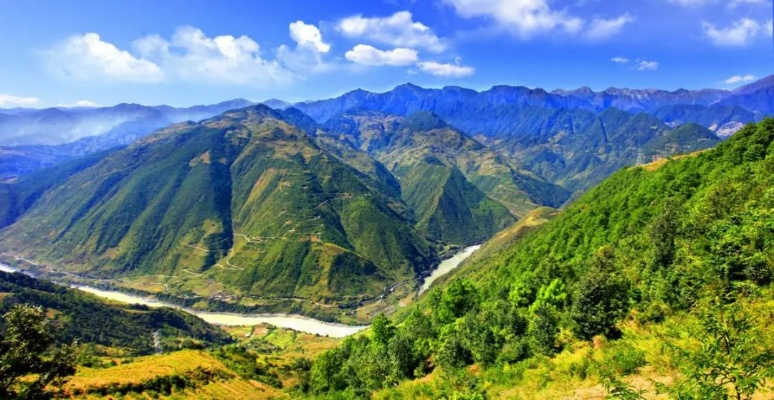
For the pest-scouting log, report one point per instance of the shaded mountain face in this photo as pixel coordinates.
(460, 189)
(574, 149)
(245, 202)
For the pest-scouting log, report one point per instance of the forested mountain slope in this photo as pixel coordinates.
(656, 244)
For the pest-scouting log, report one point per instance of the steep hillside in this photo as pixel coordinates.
(579, 151)
(664, 268)
(686, 138)
(244, 203)
(572, 148)
(84, 318)
(460, 190)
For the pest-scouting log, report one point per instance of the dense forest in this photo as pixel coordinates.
(683, 246)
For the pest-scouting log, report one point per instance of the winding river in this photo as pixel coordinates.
(289, 321)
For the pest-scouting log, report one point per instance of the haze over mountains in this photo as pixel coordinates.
(31, 139)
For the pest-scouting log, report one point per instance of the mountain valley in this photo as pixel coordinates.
(273, 210)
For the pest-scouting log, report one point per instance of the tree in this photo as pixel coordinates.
(602, 297)
(325, 374)
(543, 328)
(382, 329)
(26, 349)
(460, 297)
(663, 231)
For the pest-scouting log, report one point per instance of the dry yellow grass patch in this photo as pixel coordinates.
(663, 161)
(146, 368)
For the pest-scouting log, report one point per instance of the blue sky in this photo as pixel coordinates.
(195, 52)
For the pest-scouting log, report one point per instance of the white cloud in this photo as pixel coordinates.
(189, 55)
(645, 65)
(79, 103)
(192, 56)
(87, 57)
(445, 70)
(8, 101)
(307, 55)
(308, 35)
(521, 18)
(369, 55)
(604, 28)
(620, 60)
(740, 79)
(770, 27)
(397, 30)
(741, 33)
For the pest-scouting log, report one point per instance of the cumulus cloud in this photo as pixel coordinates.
(369, 55)
(522, 18)
(307, 55)
(79, 103)
(620, 60)
(189, 55)
(308, 35)
(193, 56)
(397, 30)
(87, 57)
(8, 101)
(445, 70)
(645, 65)
(740, 79)
(740, 33)
(604, 28)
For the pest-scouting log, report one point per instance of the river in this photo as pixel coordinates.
(8, 269)
(447, 266)
(289, 321)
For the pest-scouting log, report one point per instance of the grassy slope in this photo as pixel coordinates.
(144, 369)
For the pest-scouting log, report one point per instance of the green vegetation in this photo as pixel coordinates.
(83, 318)
(244, 204)
(668, 253)
(27, 348)
(460, 191)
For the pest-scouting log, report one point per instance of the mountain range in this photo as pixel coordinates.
(324, 204)
(32, 139)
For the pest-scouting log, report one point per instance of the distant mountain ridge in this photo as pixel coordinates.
(32, 139)
(408, 98)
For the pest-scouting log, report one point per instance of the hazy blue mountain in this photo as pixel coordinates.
(505, 111)
(34, 139)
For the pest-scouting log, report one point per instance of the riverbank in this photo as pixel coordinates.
(283, 320)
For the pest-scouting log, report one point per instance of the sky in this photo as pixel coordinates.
(187, 52)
